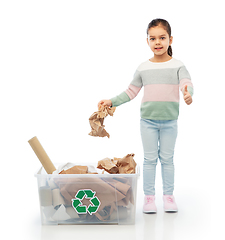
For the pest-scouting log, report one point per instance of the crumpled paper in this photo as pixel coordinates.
(116, 193)
(75, 170)
(96, 121)
(111, 192)
(72, 168)
(118, 165)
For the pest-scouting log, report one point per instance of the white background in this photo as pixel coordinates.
(59, 58)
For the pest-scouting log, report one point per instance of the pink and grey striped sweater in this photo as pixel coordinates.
(161, 83)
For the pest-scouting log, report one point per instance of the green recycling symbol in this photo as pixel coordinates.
(83, 209)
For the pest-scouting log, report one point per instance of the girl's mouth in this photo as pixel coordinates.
(159, 48)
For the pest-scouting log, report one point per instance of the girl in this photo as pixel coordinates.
(161, 76)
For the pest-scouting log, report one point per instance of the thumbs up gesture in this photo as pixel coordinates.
(187, 96)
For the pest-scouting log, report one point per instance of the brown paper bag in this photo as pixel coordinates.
(75, 170)
(123, 165)
(109, 165)
(110, 192)
(126, 164)
(96, 121)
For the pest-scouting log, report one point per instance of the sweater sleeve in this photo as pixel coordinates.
(120, 99)
(185, 79)
(131, 92)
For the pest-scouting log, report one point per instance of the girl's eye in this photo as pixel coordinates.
(152, 39)
(163, 38)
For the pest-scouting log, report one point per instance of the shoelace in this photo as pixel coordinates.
(149, 200)
(169, 199)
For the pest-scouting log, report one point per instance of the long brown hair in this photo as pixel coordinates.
(158, 21)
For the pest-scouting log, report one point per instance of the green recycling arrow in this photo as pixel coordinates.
(80, 194)
(82, 209)
(89, 193)
(95, 201)
(77, 204)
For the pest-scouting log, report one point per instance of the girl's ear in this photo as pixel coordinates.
(147, 41)
(171, 40)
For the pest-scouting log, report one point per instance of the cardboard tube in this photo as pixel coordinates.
(57, 197)
(45, 195)
(42, 155)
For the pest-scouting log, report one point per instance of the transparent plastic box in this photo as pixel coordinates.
(87, 198)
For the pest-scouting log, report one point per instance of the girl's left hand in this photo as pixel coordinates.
(187, 96)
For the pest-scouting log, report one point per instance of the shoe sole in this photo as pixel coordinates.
(149, 212)
(171, 211)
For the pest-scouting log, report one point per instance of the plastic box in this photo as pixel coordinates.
(87, 198)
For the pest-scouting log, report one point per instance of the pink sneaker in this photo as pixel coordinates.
(169, 203)
(149, 204)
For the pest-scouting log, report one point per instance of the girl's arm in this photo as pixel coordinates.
(122, 98)
(131, 92)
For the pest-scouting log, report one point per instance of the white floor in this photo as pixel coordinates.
(191, 222)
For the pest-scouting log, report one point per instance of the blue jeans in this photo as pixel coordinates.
(158, 139)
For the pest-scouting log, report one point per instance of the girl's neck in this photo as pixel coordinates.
(161, 58)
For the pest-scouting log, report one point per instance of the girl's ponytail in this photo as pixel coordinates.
(169, 51)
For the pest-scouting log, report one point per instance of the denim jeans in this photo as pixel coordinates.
(158, 139)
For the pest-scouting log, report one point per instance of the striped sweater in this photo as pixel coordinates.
(161, 83)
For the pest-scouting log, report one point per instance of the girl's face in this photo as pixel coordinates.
(159, 40)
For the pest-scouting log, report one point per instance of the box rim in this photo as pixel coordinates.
(39, 175)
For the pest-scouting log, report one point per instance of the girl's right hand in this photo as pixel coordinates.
(105, 103)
